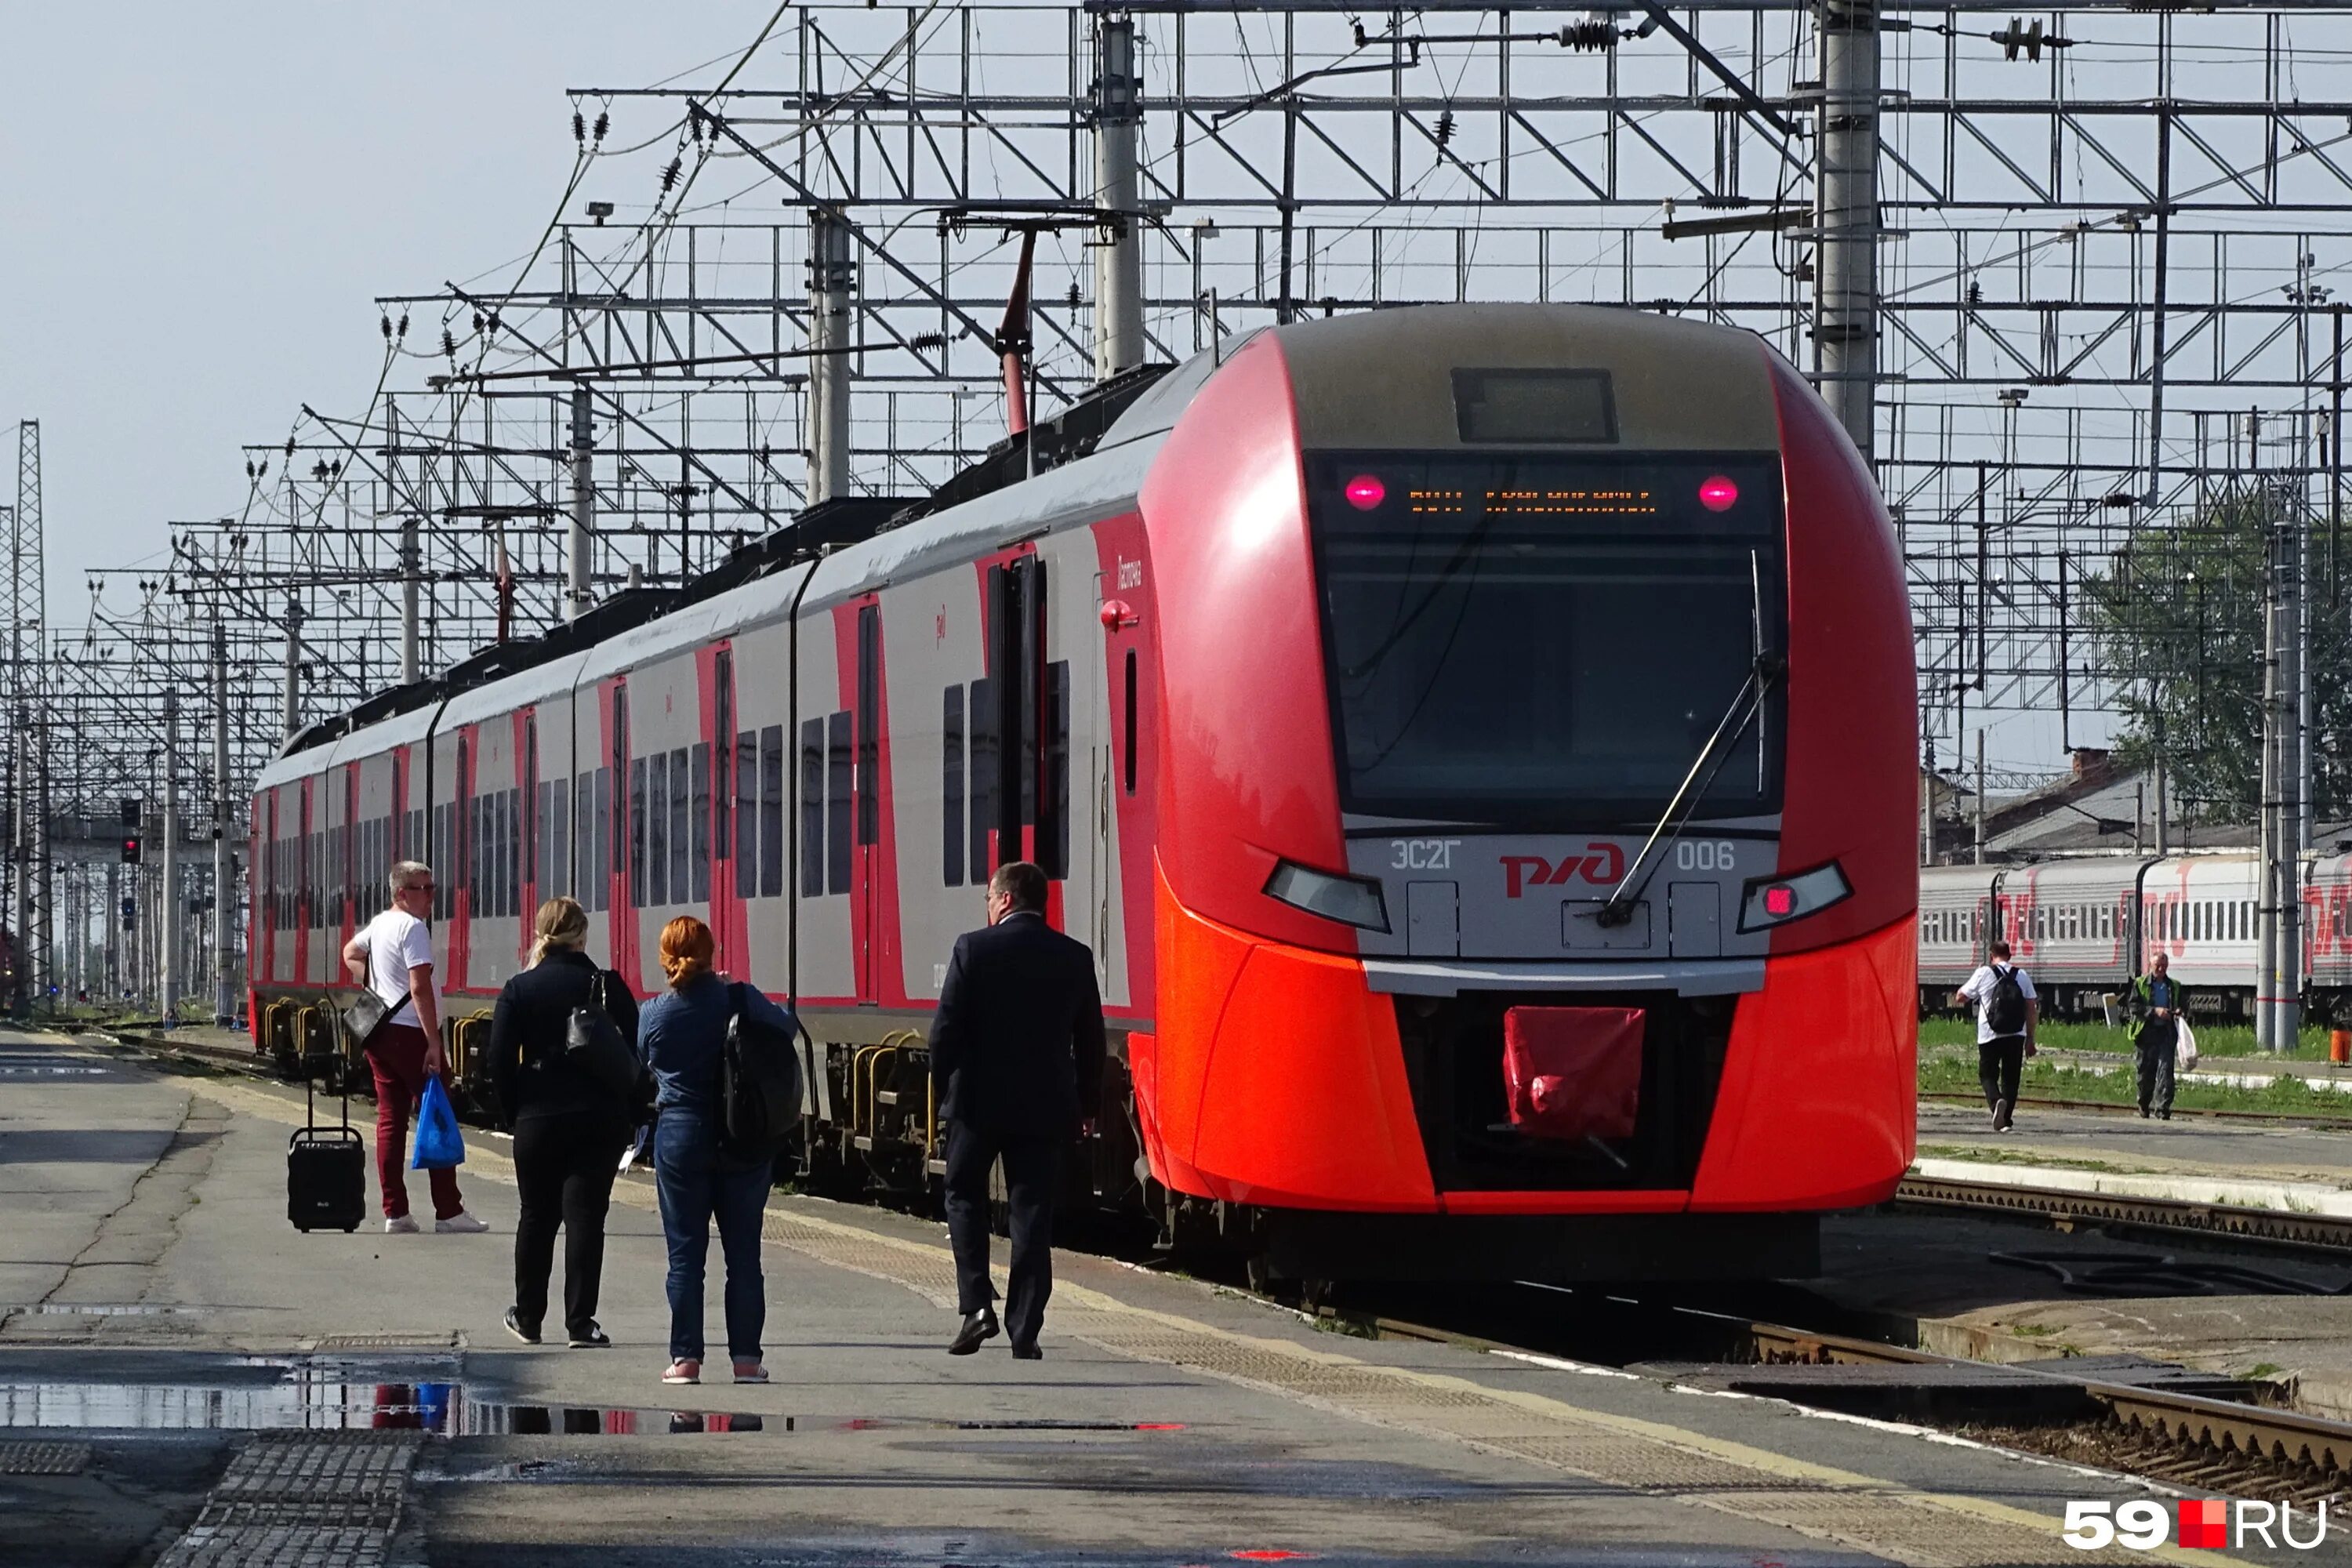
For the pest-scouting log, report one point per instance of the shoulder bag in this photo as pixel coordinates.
(593, 1046)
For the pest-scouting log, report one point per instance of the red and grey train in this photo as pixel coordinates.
(2085, 928)
(1361, 686)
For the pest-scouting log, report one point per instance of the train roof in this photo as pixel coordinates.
(1368, 379)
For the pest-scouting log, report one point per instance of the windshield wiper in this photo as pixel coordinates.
(1746, 704)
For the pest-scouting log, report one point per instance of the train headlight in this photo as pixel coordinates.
(1768, 901)
(1351, 900)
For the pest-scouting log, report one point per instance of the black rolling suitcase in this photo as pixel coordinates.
(326, 1170)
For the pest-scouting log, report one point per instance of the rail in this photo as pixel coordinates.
(2326, 1233)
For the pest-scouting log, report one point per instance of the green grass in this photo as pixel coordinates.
(1951, 1071)
(2212, 1039)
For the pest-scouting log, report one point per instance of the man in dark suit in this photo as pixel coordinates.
(1017, 1048)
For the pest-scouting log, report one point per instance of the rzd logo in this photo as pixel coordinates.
(1604, 864)
(2145, 1524)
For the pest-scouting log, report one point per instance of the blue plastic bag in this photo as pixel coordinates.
(439, 1146)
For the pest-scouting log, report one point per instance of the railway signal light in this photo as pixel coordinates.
(130, 848)
(130, 805)
(129, 914)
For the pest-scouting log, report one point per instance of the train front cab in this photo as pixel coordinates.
(1428, 679)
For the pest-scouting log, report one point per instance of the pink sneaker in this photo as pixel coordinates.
(683, 1372)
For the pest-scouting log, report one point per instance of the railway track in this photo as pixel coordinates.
(2327, 1234)
(2243, 1447)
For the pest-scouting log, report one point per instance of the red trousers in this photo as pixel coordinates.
(396, 1055)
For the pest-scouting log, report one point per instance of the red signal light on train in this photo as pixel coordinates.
(1780, 900)
(1717, 493)
(1365, 492)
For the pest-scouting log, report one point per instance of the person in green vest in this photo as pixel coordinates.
(2156, 1011)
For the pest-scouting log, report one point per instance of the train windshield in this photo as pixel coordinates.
(1547, 641)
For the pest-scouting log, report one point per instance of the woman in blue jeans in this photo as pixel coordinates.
(681, 1034)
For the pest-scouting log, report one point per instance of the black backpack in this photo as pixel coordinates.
(595, 1047)
(759, 1086)
(2005, 1007)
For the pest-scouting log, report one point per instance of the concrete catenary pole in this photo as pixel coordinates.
(172, 915)
(1845, 169)
(579, 541)
(2266, 823)
(1980, 799)
(1118, 259)
(2289, 988)
(225, 909)
(830, 282)
(411, 574)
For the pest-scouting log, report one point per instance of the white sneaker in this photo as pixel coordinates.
(462, 1222)
(401, 1225)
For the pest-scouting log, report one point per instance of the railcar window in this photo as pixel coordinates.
(540, 870)
(984, 772)
(637, 888)
(1127, 763)
(606, 812)
(681, 826)
(772, 812)
(704, 804)
(1547, 641)
(952, 787)
(840, 783)
(1054, 822)
(812, 809)
(1532, 406)
(658, 834)
(515, 837)
(584, 829)
(747, 814)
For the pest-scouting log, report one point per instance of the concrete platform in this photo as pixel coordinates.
(158, 1308)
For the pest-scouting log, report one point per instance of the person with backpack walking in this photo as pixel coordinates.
(2006, 1015)
(2157, 1009)
(392, 955)
(1017, 1048)
(699, 1173)
(569, 1119)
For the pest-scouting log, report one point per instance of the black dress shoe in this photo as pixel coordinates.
(1027, 1352)
(977, 1327)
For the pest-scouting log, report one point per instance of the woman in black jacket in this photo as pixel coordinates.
(569, 1126)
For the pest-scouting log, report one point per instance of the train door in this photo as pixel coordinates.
(1101, 760)
(865, 877)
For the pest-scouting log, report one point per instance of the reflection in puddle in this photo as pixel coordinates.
(309, 1403)
(312, 1399)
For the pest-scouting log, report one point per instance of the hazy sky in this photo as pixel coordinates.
(202, 201)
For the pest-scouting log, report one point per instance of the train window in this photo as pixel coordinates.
(812, 809)
(558, 838)
(516, 837)
(840, 783)
(583, 829)
(681, 826)
(869, 725)
(541, 843)
(657, 835)
(607, 812)
(772, 812)
(1054, 820)
(636, 895)
(982, 751)
(747, 814)
(704, 806)
(952, 787)
(1129, 761)
(1524, 405)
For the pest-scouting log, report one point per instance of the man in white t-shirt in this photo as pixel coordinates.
(2006, 1013)
(392, 956)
